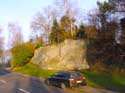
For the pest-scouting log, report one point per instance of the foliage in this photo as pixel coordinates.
(122, 23)
(35, 70)
(65, 10)
(104, 43)
(65, 23)
(81, 32)
(38, 42)
(57, 34)
(22, 54)
(91, 32)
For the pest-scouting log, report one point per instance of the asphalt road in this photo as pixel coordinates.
(11, 82)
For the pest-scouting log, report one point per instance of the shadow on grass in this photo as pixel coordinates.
(105, 80)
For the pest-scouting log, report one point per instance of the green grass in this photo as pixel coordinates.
(34, 70)
(94, 79)
(105, 80)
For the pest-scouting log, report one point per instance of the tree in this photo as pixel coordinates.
(81, 32)
(1, 39)
(70, 14)
(62, 9)
(57, 34)
(91, 32)
(1, 44)
(104, 47)
(42, 22)
(68, 7)
(21, 54)
(15, 34)
(122, 38)
(65, 25)
(119, 5)
(106, 8)
(93, 18)
(38, 42)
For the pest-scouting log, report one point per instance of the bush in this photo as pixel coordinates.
(22, 54)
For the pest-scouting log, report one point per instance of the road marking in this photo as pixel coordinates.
(23, 90)
(3, 81)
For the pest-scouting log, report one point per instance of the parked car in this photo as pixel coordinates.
(65, 79)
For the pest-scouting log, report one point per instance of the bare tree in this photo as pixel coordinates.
(93, 18)
(68, 7)
(1, 45)
(42, 21)
(1, 39)
(15, 34)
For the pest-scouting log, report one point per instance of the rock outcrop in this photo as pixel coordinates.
(70, 54)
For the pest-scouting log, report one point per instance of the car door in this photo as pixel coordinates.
(58, 79)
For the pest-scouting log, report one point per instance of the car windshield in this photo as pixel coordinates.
(62, 74)
(75, 75)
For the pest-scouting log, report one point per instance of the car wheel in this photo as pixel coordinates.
(63, 86)
(47, 82)
(84, 84)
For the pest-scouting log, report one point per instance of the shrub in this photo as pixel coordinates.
(22, 54)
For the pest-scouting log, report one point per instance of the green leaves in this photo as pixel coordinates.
(22, 54)
(57, 34)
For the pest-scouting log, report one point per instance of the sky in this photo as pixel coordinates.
(22, 11)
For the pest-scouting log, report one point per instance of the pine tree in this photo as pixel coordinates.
(57, 35)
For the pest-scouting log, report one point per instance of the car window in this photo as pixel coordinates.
(75, 75)
(78, 74)
(61, 76)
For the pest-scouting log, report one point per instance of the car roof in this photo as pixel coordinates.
(65, 72)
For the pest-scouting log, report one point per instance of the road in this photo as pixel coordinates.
(12, 82)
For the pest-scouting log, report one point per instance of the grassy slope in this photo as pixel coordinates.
(104, 80)
(34, 70)
(101, 80)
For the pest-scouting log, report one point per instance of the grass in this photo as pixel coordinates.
(94, 79)
(105, 80)
(35, 70)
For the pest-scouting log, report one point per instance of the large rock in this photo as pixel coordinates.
(68, 55)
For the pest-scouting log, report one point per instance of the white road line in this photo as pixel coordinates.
(3, 81)
(23, 90)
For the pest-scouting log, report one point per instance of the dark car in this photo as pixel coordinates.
(65, 79)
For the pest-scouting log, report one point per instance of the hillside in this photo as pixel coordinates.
(73, 56)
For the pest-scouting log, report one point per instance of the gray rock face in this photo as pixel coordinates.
(67, 56)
